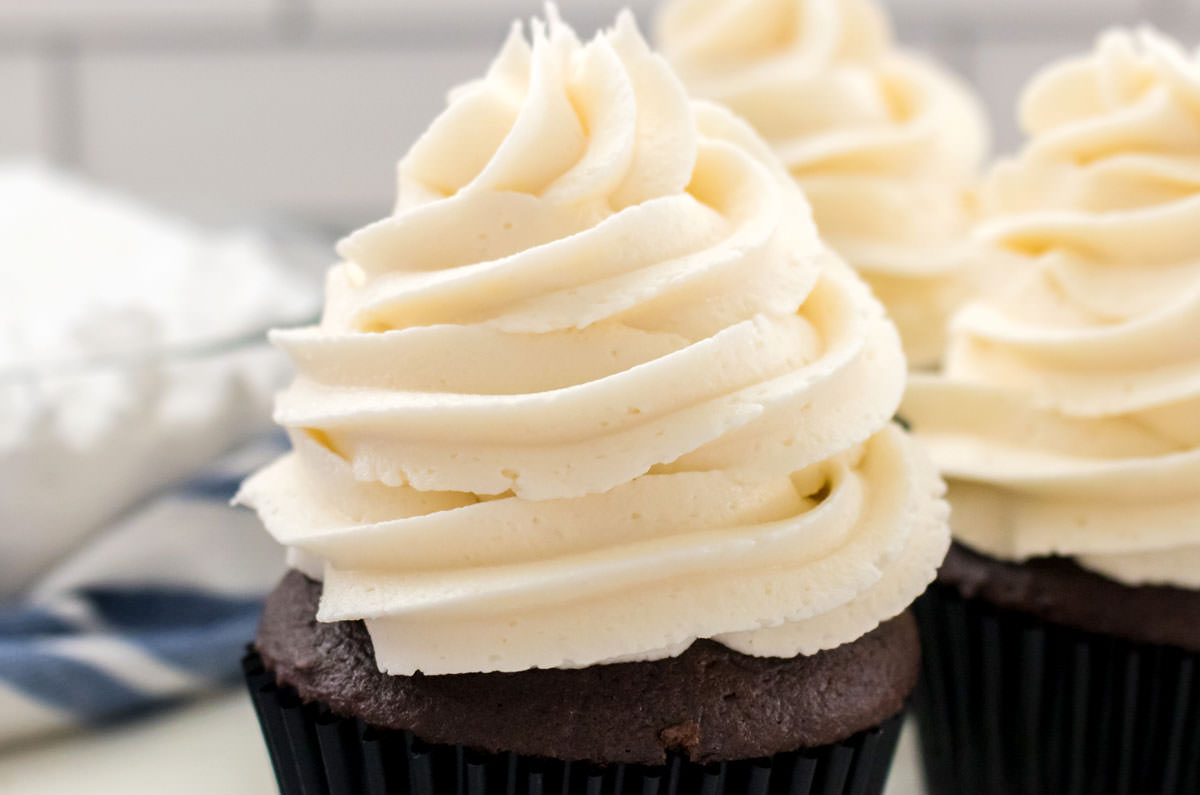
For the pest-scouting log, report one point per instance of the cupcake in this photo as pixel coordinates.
(594, 483)
(886, 144)
(1063, 635)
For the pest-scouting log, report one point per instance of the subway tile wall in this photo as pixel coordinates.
(92, 18)
(311, 132)
(26, 90)
(300, 108)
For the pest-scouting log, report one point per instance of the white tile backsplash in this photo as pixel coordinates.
(1002, 70)
(316, 133)
(303, 106)
(1016, 14)
(25, 95)
(84, 18)
(451, 17)
(1190, 29)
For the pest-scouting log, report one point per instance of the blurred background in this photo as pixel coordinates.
(302, 107)
(121, 445)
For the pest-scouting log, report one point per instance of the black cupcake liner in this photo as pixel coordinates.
(315, 752)
(1008, 703)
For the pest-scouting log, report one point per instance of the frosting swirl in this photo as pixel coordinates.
(1070, 423)
(596, 390)
(885, 144)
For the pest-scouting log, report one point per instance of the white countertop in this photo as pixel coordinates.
(212, 746)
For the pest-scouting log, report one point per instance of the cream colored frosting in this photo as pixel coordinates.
(886, 145)
(596, 390)
(1071, 420)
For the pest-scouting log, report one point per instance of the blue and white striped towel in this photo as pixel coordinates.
(151, 610)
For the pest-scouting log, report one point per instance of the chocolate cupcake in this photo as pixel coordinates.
(594, 483)
(708, 714)
(1063, 635)
(887, 145)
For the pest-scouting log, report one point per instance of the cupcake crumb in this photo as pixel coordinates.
(683, 736)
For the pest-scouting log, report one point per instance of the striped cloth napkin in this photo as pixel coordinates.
(151, 610)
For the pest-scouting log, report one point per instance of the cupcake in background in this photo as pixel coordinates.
(1064, 634)
(594, 482)
(886, 144)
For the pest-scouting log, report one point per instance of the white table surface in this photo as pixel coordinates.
(212, 747)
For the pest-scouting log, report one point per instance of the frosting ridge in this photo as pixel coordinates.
(886, 144)
(597, 390)
(1071, 421)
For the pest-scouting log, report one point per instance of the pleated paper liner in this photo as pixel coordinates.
(316, 752)
(1008, 704)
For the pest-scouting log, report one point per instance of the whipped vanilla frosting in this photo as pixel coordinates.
(1069, 421)
(596, 390)
(886, 145)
